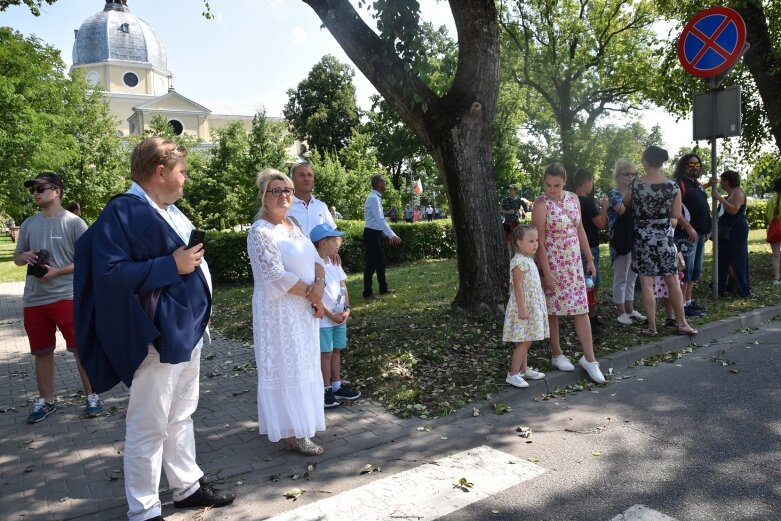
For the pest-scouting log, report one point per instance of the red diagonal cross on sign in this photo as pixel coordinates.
(710, 42)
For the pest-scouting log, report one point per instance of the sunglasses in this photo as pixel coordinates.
(694, 164)
(41, 189)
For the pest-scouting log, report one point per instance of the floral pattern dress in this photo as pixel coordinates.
(563, 249)
(536, 326)
(653, 251)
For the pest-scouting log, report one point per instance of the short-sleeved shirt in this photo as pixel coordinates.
(589, 210)
(696, 201)
(58, 235)
(310, 215)
(511, 203)
(334, 275)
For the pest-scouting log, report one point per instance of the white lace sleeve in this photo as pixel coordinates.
(267, 261)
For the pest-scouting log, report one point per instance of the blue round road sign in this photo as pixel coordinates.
(711, 42)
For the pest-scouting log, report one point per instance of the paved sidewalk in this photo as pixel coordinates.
(70, 467)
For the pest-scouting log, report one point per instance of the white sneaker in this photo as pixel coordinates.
(625, 319)
(531, 374)
(592, 368)
(562, 363)
(516, 380)
(637, 315)
(777, 282)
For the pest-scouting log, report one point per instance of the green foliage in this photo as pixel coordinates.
(574, 62)
(34, 5)
(756, 214)
(766, 169)
(97, 168)
(322, 110)
(228, 261)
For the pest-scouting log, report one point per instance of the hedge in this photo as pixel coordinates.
(226, 252)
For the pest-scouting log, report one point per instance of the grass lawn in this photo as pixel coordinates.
(420, 357)
(9, 272)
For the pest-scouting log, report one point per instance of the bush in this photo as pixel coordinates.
(228, 260)
(756, 214)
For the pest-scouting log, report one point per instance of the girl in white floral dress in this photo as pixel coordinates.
(556, 216)
(526, 316)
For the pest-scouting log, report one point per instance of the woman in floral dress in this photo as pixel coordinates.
(556, 215)
(654, 200)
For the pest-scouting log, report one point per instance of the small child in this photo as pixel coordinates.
(333, 326)
(526, 316)
(661, 292)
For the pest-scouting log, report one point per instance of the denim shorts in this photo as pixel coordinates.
(595, 254)
(694, 259)
(334, 337)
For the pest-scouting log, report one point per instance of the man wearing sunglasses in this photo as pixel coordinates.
(697, 211)
(46, 245)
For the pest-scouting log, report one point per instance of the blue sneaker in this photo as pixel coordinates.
(41, 409)
(94, 407)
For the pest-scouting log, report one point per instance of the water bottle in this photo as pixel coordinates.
(589, 282)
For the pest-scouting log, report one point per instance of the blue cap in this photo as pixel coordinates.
(321, 231)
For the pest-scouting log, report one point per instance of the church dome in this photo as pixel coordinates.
(115, 34)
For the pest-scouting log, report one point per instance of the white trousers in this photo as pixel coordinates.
(159, 433)
(623, 279)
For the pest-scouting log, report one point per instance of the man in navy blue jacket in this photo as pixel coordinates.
(142, 301)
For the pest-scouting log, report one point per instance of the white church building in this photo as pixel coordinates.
(125, 56)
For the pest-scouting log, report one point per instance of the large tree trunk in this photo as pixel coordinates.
(456, 129)
(763, 62)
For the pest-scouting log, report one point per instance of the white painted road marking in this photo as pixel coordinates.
(425, 492)
(642, 513)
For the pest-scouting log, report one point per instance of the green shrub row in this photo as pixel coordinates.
(228, 260)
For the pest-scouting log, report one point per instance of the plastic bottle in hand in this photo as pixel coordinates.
(589, 282)
(339, 306)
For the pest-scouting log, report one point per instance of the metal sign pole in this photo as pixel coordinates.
(714, 84)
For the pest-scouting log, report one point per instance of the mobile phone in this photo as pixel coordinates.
(196, 237)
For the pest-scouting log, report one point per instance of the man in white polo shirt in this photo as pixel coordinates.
(306, 209)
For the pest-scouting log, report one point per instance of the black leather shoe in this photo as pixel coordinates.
(206, 496)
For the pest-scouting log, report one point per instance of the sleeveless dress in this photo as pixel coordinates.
(563, 249)
(653, 251)
(287, 336)
(536, 326)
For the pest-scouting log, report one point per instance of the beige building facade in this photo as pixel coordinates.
(126, 58)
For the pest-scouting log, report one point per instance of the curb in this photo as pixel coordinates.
(623, 359)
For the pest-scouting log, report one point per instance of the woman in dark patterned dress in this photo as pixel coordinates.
(655, 200)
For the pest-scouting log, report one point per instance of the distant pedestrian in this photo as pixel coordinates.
(429, 213)
(510, 210)
(335, 215)
(74, 208)
(393, 215)
(774, 212)
(526, 315)
(375, 228)
(416, 215)
(333, 326)
(47, 245)
(408, 213)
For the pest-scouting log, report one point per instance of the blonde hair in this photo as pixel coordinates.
(519, 232)
(262, 182)
(151, 153)
(622, 166)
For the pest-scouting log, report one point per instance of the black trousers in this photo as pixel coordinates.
(373, 261)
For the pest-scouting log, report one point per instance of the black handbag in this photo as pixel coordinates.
(623, 233)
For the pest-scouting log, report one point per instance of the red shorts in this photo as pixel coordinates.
(41, 323)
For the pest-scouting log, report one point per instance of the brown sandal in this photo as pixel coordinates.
(650, 332)
(306, 447)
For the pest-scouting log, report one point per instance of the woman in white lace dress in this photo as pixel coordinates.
(289, 282)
